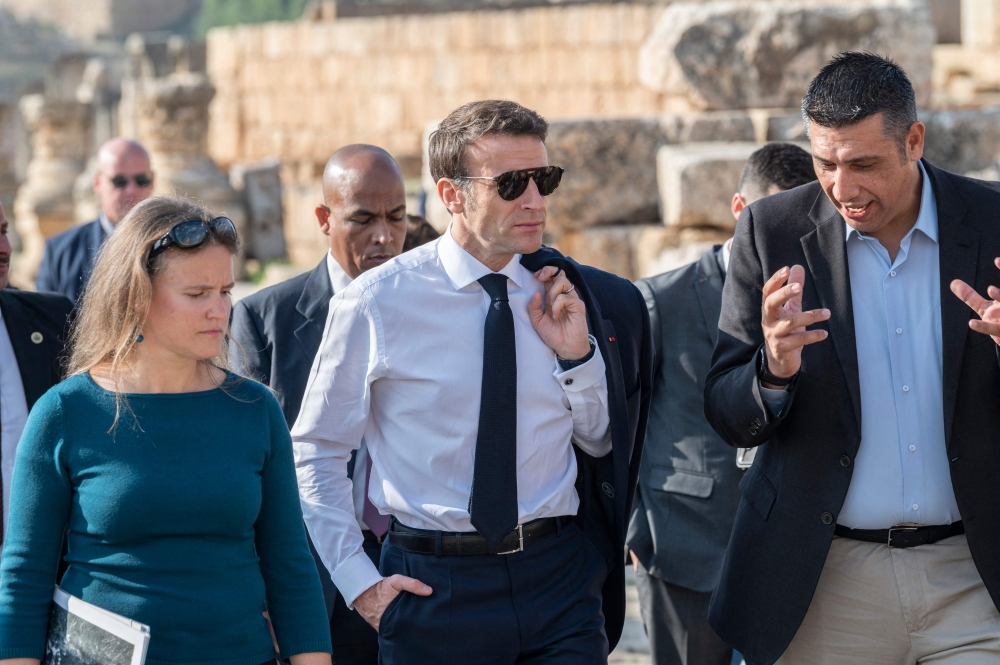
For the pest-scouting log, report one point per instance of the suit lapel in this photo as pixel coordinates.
(33, 359)
(312, 306)
(958, 247)
(95, 240)
(708, 283)
(826, 255)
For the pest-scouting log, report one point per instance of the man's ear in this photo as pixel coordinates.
(737, 205)
(451, 195)
(323, 215)
(915, 141)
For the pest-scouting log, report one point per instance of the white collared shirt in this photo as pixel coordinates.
(340, 280)
(13, 413)
(401, 363)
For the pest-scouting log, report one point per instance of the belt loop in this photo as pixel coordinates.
(437, 543)
(558, 526)
(458, 544)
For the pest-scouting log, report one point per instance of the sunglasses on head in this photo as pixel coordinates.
(511, 185)
(192, 234)
(141, 180)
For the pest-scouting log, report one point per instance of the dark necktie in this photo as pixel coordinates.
(493, 503)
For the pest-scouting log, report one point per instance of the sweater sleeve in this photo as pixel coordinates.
(294, 595)
(40, 505)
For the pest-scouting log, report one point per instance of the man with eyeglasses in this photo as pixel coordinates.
(122, 180)
(502, 391)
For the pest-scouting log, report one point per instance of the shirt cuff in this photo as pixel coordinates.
(355, 576)
(584, 376)
(774, 398)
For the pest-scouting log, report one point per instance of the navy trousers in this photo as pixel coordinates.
(542, 605)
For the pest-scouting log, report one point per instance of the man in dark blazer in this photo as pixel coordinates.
(687, 495)
(123, 179)
(31, 348)
(868, 528)
(278, 329)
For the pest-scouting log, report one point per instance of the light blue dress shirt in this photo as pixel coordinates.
(901, 473)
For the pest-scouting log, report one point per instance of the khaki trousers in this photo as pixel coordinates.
(879, 606)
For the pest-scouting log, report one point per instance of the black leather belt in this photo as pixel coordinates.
(445, 543)
(903, 535)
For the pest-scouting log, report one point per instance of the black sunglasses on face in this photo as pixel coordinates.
(192, 234)
(511, 185)
(142, 180)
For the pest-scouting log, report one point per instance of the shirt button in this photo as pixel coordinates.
(906, 389)
(914, 506)
(899, 331)
(893, 273)
(912, 448)
(569, 382)
(826, 518)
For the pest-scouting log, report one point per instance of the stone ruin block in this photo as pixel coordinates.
(962, 141)
(261, 187)
(697, 182)
(730, 55)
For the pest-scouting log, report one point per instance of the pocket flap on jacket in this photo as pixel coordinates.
(690, 483)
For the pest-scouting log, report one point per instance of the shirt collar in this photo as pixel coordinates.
(106, 224)
(339, 279)
(927, 218)
(463, 268)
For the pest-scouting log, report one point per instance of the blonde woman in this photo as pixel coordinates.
(173, 478)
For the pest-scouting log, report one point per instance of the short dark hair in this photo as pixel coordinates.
(777, 164)
(856, 85)
(469, 123)
(418, 232)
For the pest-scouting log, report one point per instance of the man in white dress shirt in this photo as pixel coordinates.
(32, 333)
(486, 404)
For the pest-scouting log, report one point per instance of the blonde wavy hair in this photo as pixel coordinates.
(117, 298)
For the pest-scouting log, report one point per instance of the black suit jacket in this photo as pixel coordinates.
(688, 491)
(69, 259)
(37, 325)
(796, 487)
(618, 319)
(277, 332)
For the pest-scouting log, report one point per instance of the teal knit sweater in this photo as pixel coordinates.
(185, 517)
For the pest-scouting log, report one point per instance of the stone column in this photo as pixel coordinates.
(171, 121)
(60, 139)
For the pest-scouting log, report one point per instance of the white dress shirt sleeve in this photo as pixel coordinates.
(330, 425)
(586, 388)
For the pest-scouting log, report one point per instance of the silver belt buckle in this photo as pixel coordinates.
(903, 529)
(520, 541)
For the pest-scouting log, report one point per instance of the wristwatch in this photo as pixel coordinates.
(765, 376)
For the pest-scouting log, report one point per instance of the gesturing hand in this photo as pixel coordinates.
(562, 324)
(373, 601)
(988, 322)
(785, 323)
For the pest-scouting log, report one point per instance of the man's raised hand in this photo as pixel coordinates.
(560, 318)
(785, 323)
(373, 601)
(988, 322)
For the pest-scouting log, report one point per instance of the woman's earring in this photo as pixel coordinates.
(139, 338)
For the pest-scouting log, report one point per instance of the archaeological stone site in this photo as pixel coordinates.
(653, 105)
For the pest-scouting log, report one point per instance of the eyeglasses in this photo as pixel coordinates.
(511, 185)
(142, 180)
(192, 234)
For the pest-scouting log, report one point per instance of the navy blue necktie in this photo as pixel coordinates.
(493, 503)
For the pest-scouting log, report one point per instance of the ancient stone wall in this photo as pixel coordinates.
(298, 91)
